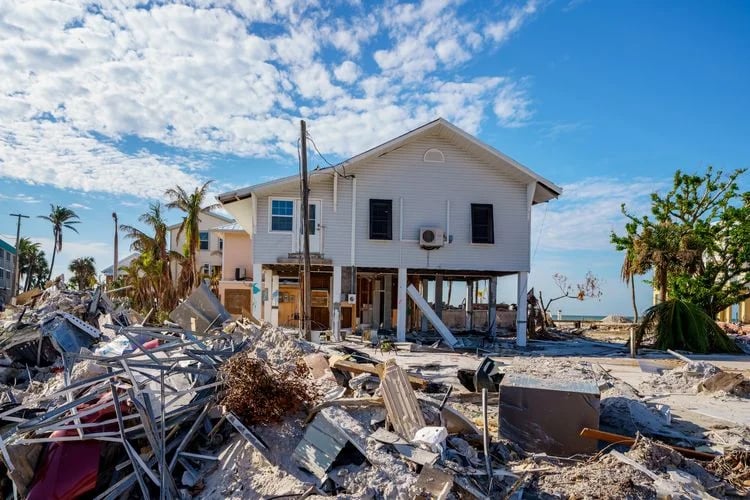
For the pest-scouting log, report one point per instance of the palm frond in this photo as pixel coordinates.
(678, 324)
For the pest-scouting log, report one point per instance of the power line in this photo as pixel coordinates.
(315, 146)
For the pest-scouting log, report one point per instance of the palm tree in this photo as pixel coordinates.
(37, 276)
(61, 218)
(84, 272)
(151, 268)
(27, 252)
(191, 204)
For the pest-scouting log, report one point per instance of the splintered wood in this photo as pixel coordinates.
(400, 402)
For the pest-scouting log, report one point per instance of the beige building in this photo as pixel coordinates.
(235, 286)
(737, 312)
(211, 243)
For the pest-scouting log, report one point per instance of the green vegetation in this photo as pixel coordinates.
(84, 272)
(60, 218)
(697, 243)
(149, 275)
(679, 324)
(191, 204)
(33, 264)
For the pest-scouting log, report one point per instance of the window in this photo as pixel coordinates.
(381, 219)
(311, 220)
(482, 224)
(282, 215)
(204, 240)
(7, 274)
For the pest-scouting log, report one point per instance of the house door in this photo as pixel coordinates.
(315, 225)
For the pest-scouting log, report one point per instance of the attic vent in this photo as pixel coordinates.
(434, 156)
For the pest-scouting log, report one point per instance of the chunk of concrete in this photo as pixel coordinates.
(547, 415)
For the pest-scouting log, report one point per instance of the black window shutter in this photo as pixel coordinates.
(482, 223)
(381, 219)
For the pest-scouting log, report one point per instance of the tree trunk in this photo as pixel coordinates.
(632, 296)
(52, 263)
(662, 284)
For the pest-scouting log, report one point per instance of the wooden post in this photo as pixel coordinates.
(439, 296)
(469, 319)
(307, 292)
(387, 301)
(633, 350)
(17, 268)
(425, 322)
(116, 256)
(401, 306)
(492, 306)
(521, 308)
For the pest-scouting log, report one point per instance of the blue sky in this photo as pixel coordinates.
(105, 106)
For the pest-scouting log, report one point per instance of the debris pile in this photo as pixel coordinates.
(701, 376)
(100, 403)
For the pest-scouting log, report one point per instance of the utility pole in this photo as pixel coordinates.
(117, 260)
(307, 292)
(17, 269)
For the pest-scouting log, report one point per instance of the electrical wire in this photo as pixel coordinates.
(315, 147)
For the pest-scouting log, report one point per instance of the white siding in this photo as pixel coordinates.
(425, 190)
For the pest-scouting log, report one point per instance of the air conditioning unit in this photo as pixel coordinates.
(431, 237)
(351, 298)
(239, 273)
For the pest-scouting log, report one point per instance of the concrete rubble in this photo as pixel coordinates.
(97, 402)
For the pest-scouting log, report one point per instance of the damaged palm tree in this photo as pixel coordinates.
(191, 205)
(678, 324)
(260, 394)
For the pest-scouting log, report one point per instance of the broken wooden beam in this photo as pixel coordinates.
(610, 437)
(350, 366)
(422, 304)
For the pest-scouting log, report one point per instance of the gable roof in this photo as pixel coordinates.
(206, 211)
(107, 271)
(442, 127)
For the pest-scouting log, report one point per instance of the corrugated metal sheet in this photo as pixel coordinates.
(321, 445)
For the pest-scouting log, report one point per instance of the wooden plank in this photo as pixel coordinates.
(350, 366)
(431, 316)
(629, 441)
(400, 402)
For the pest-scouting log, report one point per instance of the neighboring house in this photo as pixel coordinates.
(107, 272)
(235, 285)
(210, 247)
(370, 221)
(7, 268)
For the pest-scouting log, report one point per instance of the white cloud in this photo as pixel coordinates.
(512, 106)
(588, 211)
(80, 206)
(20, 197)
(202, 78)
(503, 29)
(347, 72)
